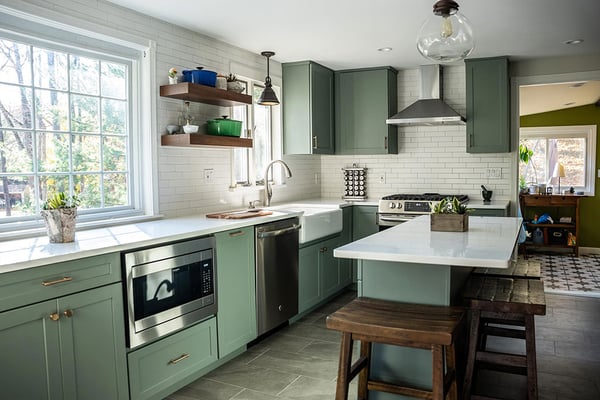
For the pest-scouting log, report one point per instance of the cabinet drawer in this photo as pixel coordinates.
(32, 285)
(157, 367)
(550, 201)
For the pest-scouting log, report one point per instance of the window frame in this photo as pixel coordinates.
(587, 132)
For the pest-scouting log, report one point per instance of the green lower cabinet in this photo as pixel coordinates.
(309, 280)
(68, 348)
(489, 212)
(364, 221)
(164, 366)
(345, 238)
(329, 268)
(236, 283)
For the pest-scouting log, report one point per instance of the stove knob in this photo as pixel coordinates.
(399, 206)
(392, 205)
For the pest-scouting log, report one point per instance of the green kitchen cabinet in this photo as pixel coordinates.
(72, 347)
(329, 268)
(307, 108)
(345, 238)
(364, 221)
(364, 99)
(489, 212)
(236, 283)
(309, 279)
(488, 105)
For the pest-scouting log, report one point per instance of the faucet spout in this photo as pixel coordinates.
(268, 192)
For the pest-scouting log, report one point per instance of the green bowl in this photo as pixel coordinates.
(224, 127)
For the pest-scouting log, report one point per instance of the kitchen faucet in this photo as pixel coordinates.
(268, 190)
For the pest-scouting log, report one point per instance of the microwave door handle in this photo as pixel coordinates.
(278, 232)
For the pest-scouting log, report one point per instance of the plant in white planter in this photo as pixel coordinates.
(233, 85)
(59, 213)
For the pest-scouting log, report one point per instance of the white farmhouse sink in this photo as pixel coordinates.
(317, 220)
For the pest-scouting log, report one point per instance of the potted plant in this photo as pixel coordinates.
(59, 213)
(525, 155)
(234, 85)
(450, 216)
(172, 76)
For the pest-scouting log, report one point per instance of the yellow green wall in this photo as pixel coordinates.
(589, 231)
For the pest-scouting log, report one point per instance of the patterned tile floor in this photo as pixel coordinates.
(567, 274)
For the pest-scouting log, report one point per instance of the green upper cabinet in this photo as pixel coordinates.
(236, 281)
(307, 108)
(364, 99)
(488, 105)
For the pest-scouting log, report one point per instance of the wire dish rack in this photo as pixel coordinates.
(355, 183)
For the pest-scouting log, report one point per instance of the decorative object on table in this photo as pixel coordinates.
(221, 82)
(355, 181)
(172, 76)
(486, 194)
(200, 76)
(446, 39)
(233, 85)
(525, 155)
(224, 127)
(59, 213)
(450, 216)
(559, 172)
(172, 129)
(268, 96)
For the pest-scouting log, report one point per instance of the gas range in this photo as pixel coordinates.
(397, 208)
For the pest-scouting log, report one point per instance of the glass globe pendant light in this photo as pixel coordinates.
(447, 35)
(268, 96)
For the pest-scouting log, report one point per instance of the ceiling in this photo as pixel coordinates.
(346, 34)
(535, 99)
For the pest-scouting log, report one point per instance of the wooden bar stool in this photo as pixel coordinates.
(518, 269)
(506, 301)
(400, 324)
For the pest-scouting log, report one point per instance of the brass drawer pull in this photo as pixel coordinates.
(180, 358)
(68, 313)
(61, 280)
(236, 233)
(54, 316)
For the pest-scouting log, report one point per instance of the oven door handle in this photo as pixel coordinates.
(396, 219)
(278, 232)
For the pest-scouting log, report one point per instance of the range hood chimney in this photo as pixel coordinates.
(429, 109)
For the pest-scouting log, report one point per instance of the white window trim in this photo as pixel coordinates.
(587, 132)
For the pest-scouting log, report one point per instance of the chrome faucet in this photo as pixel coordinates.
(268, 190)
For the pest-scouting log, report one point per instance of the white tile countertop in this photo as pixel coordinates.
(489, 242)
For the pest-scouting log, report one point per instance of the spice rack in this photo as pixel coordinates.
(355, 183)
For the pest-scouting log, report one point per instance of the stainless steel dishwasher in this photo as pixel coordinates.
(276, 273)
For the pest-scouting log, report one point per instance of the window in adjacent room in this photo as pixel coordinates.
(572, 146)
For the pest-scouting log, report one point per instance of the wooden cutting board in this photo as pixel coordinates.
(239, 214)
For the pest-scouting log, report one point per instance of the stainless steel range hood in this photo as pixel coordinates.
(430, 109)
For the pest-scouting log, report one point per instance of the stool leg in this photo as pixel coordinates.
(363, 376)
(341, 390)
(532, 392)
(473, 339)
(437, 372)
(451, 369)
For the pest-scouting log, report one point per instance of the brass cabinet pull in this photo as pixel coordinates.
(61, 280)
(180, 358)
(315, 142)
(385, 144)
(323, 249)
(68, 313)
(236, 233)
(54, 316)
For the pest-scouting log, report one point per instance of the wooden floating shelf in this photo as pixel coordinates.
(204, 94)
(196, 140)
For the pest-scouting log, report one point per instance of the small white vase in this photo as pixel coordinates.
(172, 81)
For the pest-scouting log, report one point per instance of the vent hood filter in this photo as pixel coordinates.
(429, 109)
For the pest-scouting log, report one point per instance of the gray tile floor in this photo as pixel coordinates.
(300, 361)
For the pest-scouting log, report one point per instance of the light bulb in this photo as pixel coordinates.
(446, 27)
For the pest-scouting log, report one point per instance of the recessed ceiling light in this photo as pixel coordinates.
(574, 41)
(577, 85)
(384, 49)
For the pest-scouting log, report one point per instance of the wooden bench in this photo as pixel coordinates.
(401, 324)
(518, 269)
(505, 301)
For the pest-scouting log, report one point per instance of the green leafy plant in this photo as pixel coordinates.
(450, 206)
(61, 200)
(525, 154)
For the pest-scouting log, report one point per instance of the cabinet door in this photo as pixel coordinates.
(307, 108)
(309, 292)
(345, 237)
(364, 99)
(92, 336)
(329, 268)
(236, 281)
(364, 221)
(488, 108)
(29, 346)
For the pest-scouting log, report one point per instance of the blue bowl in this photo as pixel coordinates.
(200, 76)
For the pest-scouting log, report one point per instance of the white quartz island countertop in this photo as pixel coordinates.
(489, 242)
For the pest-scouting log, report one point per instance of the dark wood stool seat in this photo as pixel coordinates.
(517, 269)
(401, 324)
(503, 307)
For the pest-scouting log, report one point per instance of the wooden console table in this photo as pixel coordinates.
(556, 235)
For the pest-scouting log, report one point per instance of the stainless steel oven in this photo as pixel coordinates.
(398, 208)
(169, 287)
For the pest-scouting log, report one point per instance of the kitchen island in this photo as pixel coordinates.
(410, 263)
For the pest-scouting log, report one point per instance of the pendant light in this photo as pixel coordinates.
(268, 97)
(445, 39)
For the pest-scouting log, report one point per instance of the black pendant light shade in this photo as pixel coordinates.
(268, 96)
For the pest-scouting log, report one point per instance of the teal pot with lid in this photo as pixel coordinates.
(224, 127)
